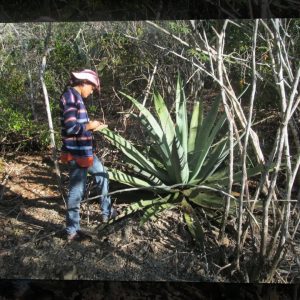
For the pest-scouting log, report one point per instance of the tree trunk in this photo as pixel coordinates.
(50, 123)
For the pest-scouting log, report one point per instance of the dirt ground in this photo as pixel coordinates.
(33, 244)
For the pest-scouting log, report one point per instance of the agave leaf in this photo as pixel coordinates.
(217, 176)
(202, 143)
(166, 179)
(237, 177)
(144, 204)
(139, 205)
(154, 211)
(131, 152)
(156, 129)
(153, 154)
(146, 175)
(217, 156)
(179, 161)
(127, 179)
(178, 165)
(167, 202)
(210, 119)
(196, 123)
(133, 208)
(151, 125)
(217, 127)
(181, 117)
(207, 124)
(160, 153)
(193, 223)
(158, 145)
(213, 161)
(205, 147)
(165, 119)
(209, 200)
(136, 206)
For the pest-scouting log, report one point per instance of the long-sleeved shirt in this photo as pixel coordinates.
(77, 141)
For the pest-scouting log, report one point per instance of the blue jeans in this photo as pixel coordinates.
(78, 177)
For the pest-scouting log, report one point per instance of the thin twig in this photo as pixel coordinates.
(163, 188)
(244, 155)
(230, 120)
(149, 85)
(223, 268)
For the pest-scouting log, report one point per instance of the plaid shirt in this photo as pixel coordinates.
(77, 141)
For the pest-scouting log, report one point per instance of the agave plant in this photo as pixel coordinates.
(181, 153)
(181, 164)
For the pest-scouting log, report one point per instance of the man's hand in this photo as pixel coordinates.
(95, 125)
(102, 126)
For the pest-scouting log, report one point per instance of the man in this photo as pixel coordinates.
(77, 149)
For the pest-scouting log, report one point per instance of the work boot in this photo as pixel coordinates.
(72, 237)
(78, 236)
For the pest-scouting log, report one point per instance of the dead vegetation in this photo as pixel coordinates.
(32, 243)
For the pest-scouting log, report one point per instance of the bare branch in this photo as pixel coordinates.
(51, 129)
(176, 37)
(149, 84)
